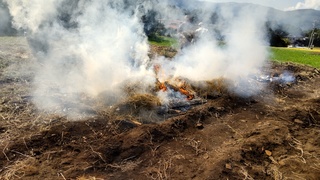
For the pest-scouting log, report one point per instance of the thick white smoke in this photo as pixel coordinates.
(5, 20)
(30, 14)
(89, 47)
(83, 47)
(244, 53)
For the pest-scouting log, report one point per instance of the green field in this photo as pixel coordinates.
(310, 57)
(297, 55)
(163, 41)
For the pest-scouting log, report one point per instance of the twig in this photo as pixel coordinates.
(314, 120)
(62, 136)
(21, 154)
(94, 132)
(99, 154)
(129, 158)
(2, 117)
(236, 132)
(3, 151)
(298, 147)
(60, 174)
(24, 142)
(246, 174)
(154, 150)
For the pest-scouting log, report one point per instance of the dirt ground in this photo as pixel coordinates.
(273, 135)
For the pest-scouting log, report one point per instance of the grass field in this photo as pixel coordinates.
(163, 41)
(297, 55)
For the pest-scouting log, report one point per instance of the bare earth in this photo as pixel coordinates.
(273, 135)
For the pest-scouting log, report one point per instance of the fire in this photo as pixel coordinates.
(176, 84)
(162, 86)
(187, 93)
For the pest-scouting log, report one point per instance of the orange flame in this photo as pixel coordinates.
(181, 87)
(187, 93)
(163, 87)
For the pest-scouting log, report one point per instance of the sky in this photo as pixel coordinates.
(281, 4)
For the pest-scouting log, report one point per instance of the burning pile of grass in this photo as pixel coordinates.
(180, 95)
(154, 101)
(177, 95)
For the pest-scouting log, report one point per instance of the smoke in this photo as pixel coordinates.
(5, 20)
(87, 48)
(83, 47)
(244, 53)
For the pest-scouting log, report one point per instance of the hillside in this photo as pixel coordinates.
(295, 22)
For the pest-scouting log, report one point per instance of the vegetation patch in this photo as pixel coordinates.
(297, 55)
(163, 41)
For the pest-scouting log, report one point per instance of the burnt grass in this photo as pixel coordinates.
(273, 135)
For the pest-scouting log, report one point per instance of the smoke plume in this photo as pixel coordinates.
(5, 21)
(244, 53)
(91, 47)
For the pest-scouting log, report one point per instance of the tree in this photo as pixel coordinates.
(277, 36)
(152, 24)
(315, 35)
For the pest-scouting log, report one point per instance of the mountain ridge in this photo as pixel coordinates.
(295, 22)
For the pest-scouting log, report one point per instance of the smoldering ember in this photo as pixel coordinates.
(157, 90)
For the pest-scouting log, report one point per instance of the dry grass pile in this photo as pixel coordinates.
(149, 103)
(138, 107)
(20, 169)
(137, 103)
(209, 89)
(143, 101)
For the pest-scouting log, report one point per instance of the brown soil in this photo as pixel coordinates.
(273, 135)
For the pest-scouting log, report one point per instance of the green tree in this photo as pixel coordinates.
(152, 24)
(316, 36)
(277, 36)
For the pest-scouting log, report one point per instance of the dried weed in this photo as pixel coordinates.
(125, 166)
(20, 169)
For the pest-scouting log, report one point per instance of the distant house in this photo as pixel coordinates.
(173, 25)
(297, 41)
